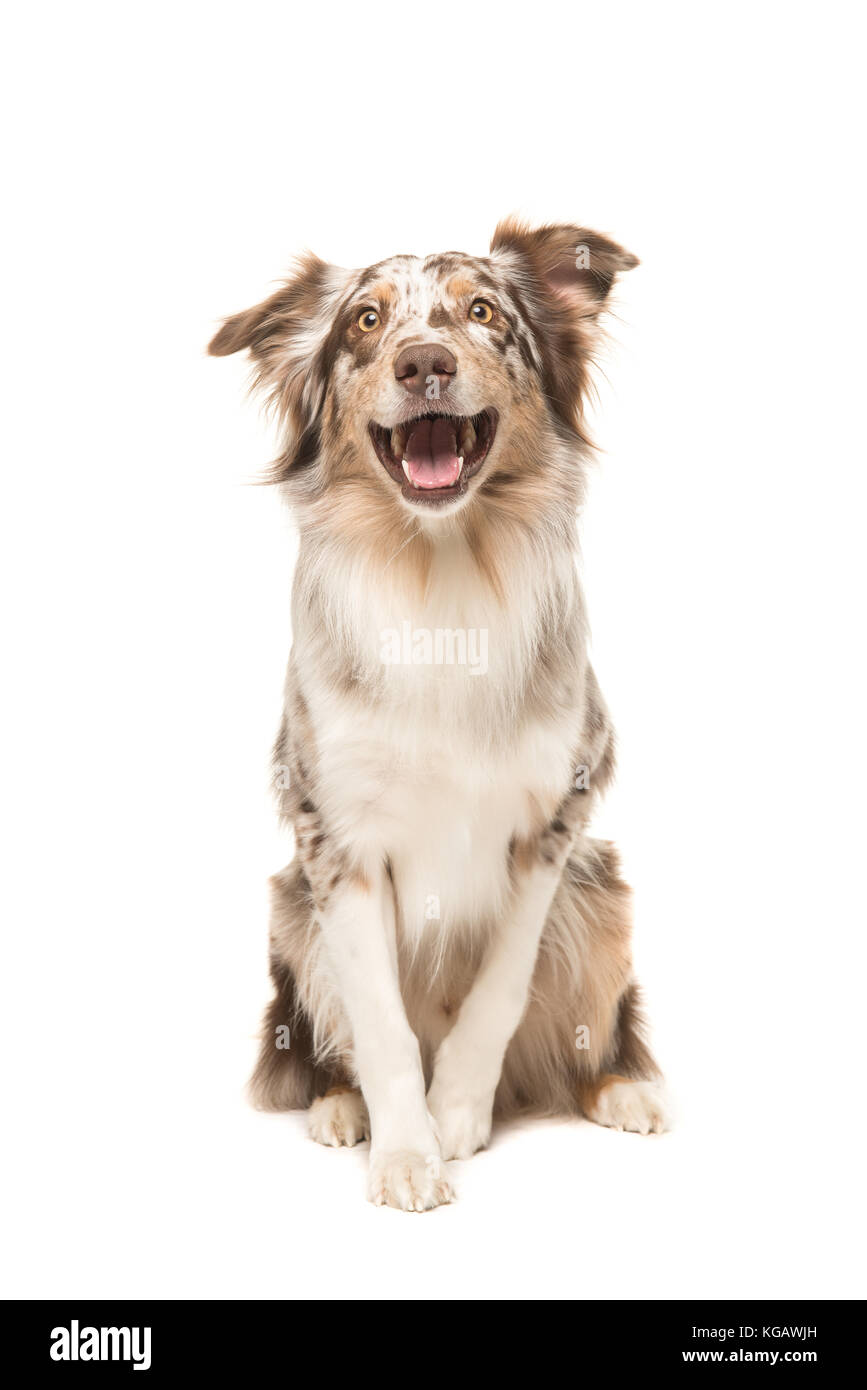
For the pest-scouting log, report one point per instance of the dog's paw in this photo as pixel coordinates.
(463, 1125)
(408, 1181)
(340, 1117)
(640, 1106)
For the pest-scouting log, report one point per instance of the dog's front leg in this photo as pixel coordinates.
(358, 928)
(470, 1057)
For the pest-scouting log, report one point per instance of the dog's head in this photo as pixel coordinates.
(432, 382)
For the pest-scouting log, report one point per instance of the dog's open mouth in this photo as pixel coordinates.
(434, 456)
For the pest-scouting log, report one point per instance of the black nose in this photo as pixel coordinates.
(415, 366)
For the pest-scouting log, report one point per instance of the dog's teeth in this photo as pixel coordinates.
(460, 463)
(398, 440)
(468, 436)
(405, 466)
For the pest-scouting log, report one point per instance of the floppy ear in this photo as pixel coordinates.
(286, 336)
(567, 261)
(564, 274)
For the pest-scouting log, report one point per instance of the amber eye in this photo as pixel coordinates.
(368, 320)
(481, 311)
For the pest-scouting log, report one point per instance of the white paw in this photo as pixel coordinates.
(408, 1181)
(639, 1106)
(463, 1125)
(338, 1118)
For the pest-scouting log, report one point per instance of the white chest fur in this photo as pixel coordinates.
(443, 765)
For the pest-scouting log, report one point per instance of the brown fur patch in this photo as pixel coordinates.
(461, 286)
(590, 1091)
(382, 293)
(583, 979)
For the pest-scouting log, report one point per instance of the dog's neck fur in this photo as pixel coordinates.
(479, 571)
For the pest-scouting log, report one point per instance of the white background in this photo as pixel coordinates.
(164, 162)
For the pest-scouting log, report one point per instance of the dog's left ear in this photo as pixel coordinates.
(564, 275)
(287, 336)
(567, 262)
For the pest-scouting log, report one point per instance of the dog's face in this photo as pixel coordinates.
(429, 366)
(432, 381)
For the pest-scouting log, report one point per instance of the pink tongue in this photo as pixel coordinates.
(431, 454)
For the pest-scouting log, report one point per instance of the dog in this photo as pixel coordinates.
(448, 943)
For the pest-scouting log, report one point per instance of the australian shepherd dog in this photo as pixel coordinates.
(448, 944)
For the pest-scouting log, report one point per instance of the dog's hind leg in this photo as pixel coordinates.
(580, 1045)
(294, 1068)
(625, 1103)
(339, 1118)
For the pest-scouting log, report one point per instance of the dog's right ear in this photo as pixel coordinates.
(240, 330)
(286, 336)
